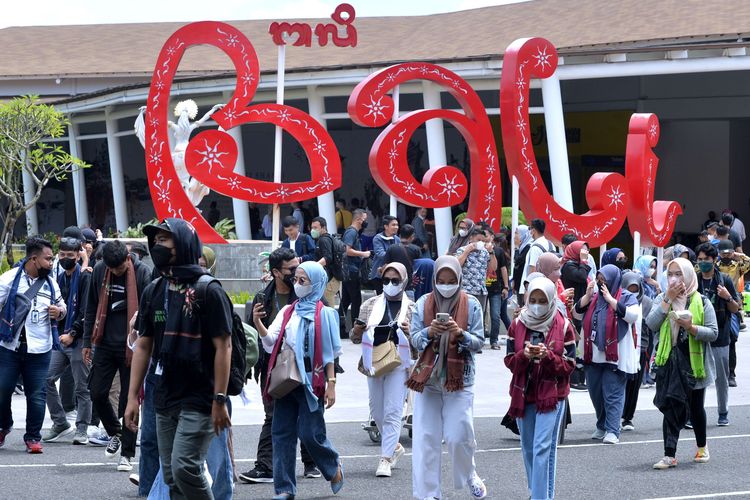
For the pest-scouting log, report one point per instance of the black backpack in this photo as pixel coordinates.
(339, 254)
(238, 365)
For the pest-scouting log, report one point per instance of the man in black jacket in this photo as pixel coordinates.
(112, 302)
(277, 294)
(74, 286)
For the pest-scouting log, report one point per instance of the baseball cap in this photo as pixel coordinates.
(726, 246)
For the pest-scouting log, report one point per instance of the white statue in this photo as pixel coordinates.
(184, 111)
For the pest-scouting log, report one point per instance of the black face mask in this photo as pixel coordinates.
(364, 225)
(621, 263)
(42, 272)
(67, 264)
(161, 256)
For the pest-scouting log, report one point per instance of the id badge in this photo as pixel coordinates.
(35, 316)
(593, 335)
(159, 370)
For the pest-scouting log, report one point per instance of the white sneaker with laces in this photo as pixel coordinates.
(384, 468)
(477, 487)
(610, 438)
(400, 450)
(124, 465)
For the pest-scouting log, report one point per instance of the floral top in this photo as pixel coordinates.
(474, 270)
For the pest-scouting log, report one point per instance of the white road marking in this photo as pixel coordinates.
(706, 495)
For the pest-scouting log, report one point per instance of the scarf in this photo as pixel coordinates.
(72, 301)
(524, 235)
(9, 310)
(540, 323)
(378, 311)
(549, 265)
(458, 241)
(695, 347)
(609, 328)
(573, 252)
(610, 256)
(131, 291)
(547, 394)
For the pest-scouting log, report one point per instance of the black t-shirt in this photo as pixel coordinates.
(190, 389)
(380, 335)
(115, 327)
(494, 281)
(709, 288)
(324, 249)
(735, 238)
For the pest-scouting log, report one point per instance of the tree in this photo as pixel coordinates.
(25, 123)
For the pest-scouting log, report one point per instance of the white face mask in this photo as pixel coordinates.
(447, 291)
(537, 310)
(391, 290)
(302, 291)
(462, 233)
(651, 272)
(674, 280)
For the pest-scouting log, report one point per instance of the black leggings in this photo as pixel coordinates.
(632, 389)
(697, 417)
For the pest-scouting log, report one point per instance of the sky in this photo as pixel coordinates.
(56, 12)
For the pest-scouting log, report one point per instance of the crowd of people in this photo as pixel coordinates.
(95, 310)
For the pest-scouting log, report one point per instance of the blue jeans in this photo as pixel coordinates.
(148, 466)
(293, 419)
(539, 449)
(33, 368)
(607, 390)
(498, 313)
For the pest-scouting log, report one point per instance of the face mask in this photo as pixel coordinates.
(674, 280)
(537, 310)
(726, 261)
(67, 264)
(302, 291)
(462, 233)
(651, 272)
(288, 280)
(447, 291)
(161, 255)
(364, 225)
(391, 290)
(705, 266)
(621, 263)
(315, 234)
(42, 272)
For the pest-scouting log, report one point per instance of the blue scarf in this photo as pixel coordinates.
(72, 301)
(9, 310)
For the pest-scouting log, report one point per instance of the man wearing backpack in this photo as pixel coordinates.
(329, 254)
(186, 333)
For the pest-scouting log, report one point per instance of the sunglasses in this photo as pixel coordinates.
(70, 242)
(395, 281)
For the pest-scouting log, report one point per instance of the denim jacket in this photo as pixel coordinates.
(473, 338)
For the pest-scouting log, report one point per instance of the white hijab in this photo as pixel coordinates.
(542, 322)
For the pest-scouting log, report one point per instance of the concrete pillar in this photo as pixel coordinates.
(29, 189)
(436, 152)
(241, 212)
(558, 149)
(118, 178)
(79, 183)
(326, 203)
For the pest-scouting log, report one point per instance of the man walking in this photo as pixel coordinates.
(31, 306)
(116, 285)
(325, 255)
(351, 290)
(302, 244)
(74, 286)
(188, 338)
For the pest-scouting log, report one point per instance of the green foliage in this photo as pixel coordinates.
(240, 298)
(508, 217)
(225, 228)
(137, 230)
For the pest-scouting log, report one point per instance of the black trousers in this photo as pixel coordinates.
(697, 414)
(632, 388)
(106, 365)
(264, 460)
(351, 294)
(732, 356)
(67, 390)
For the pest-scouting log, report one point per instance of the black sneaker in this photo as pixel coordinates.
(579, 387)
(113, 448)
(256, 475)
(312, 472)
(732, 382)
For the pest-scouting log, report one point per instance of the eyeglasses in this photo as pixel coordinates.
(395, 281)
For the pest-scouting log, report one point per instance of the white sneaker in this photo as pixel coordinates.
(598, 434)
(400, 450)
(477, 487)
(124, 465)
(135, 479)
(384, 468)
(610, 438)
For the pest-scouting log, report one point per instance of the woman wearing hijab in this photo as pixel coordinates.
(632, 281)
(549, 265)
(575, 268)
(462, 237)
(610, 353)
(646, 266)
(522, 241)
(311, 330)
(684, 360)
(616, 257)
(541, 355)
(447, 329)
(387, 317)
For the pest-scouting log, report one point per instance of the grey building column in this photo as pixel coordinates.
(118, 178)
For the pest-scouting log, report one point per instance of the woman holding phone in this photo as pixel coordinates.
(447, 329)
(386, 318)
(541, 354)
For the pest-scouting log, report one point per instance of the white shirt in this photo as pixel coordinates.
(274, 330)
(532, 256)
(39, 333)
(739, 227)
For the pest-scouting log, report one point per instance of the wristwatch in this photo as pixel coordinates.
(220, 398)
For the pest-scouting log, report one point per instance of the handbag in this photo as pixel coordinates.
(385, 359)
(285, 375)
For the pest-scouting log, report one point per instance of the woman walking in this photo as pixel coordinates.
(311, 330)
(610, 353)
(448, 328)
(684, 360)
(387, 317)
(541, 355)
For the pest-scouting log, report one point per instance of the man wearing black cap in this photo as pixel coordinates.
(735, 265)
(188, 339)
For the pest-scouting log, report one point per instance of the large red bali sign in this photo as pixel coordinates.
(210, 156)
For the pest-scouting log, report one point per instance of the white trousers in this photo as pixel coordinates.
(441, 415)
(387, 396)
